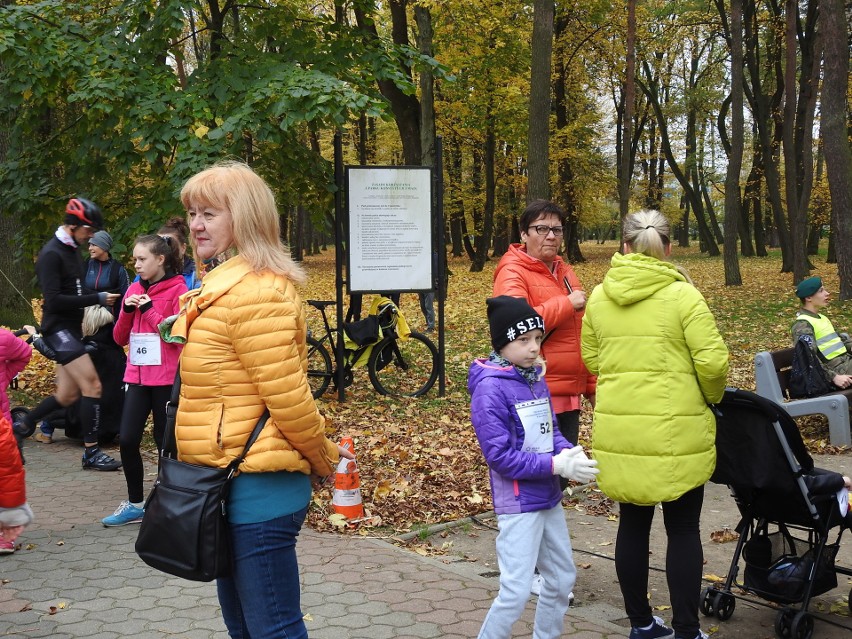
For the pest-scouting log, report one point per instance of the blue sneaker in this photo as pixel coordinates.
(126, 513)
(658, 630)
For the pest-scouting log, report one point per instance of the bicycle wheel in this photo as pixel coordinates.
(319, 368)
(406, 367)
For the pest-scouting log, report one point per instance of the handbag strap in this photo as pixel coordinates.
(170, 443)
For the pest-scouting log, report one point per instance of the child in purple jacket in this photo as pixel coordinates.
(513, 419)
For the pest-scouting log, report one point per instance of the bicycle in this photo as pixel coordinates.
(399, 363)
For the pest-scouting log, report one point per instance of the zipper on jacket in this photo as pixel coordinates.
(515, 488)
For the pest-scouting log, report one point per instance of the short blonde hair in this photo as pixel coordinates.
(647, 232)
(95, 318)
(254, 215)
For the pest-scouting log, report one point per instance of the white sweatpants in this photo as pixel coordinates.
(525, 541)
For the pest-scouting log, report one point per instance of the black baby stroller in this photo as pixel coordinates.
(791, 525)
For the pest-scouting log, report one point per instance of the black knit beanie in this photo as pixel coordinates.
(509, 318)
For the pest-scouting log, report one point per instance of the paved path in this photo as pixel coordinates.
(72, 577)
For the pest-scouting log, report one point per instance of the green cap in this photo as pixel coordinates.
(808, 286)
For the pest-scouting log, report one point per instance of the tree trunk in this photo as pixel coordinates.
(796, 213)
(656, 170)
(736, 225)
(752, 201)
(763, 108)
(405, 108)
(476, 172)
(565, 171)
(629, 103)
(453, 201)
(538, 162)
(423, 19)
(483, 237)
(651, 91)
(838, 159)
(683, 234)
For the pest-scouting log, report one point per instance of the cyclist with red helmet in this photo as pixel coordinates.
(59, 268)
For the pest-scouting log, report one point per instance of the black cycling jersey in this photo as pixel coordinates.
(59, 268)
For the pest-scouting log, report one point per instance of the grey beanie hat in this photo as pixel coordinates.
(102, 240)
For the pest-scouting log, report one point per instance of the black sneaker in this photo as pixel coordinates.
(99, 460)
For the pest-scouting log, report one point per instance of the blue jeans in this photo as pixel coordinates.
(261, 599)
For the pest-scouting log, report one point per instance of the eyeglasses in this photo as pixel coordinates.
(543, 229)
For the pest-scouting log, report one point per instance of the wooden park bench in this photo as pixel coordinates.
(772, 375)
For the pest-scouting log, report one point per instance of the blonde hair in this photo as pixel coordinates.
(95, 318)
(647, 232)
(234, 186)
(541, 362)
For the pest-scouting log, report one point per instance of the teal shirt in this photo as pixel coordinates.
(257, 497)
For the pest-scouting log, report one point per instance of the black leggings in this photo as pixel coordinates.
(139, 401)
(684, 560)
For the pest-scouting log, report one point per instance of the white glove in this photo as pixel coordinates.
(572, 463)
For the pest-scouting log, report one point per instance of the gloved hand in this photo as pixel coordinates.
(572, 463)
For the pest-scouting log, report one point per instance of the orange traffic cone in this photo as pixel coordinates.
(346, 499)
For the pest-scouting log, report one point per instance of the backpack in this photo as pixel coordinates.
(807, 378)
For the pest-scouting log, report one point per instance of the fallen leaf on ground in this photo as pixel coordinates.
(724, 536)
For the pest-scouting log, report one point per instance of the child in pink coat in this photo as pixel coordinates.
(151, 362)
(15, 513)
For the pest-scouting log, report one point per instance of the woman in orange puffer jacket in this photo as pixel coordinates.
(535, 271)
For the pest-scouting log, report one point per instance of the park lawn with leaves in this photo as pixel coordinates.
(418, 458)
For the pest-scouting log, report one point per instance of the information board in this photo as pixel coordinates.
(390, 229)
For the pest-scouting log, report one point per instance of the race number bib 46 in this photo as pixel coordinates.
(145, 349)
(537, 420)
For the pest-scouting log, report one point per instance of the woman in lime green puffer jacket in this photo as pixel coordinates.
(651, 339)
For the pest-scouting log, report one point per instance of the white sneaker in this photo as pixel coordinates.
(535, 589)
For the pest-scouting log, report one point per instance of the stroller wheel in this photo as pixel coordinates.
(802, 626)
(724, 603)
(18, 425)
(784, 622)
(708, 602)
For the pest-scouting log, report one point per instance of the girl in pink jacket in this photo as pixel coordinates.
(15, 513)
(151, 362)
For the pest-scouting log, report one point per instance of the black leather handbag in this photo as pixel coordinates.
(184, 531)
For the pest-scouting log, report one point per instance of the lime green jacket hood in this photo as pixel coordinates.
(651, 339)
(635, 277)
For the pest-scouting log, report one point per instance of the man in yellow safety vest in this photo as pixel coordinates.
(817, 330)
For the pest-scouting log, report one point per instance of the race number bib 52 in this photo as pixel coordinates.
(537, 419)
